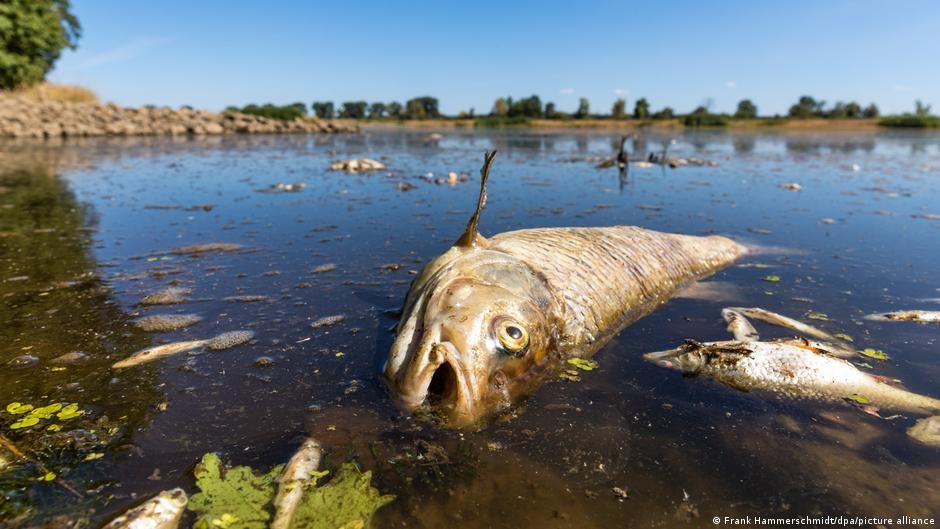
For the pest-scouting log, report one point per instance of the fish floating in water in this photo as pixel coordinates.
(163, 511)
(922, 316)
(222, 341)
(290, 490)
(794, 368)
(485, 322)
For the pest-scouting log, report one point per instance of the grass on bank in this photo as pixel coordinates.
(910, 121)
(61, 93)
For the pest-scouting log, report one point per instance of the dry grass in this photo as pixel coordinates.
(63, 93)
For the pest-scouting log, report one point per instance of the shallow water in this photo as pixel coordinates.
(86, 227)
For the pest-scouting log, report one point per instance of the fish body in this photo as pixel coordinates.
(290, 489)
(792, 368)
(163, 511)
(483, 322)
(922, 316)
(222, 341)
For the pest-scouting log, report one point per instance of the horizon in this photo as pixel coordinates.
(680, 55)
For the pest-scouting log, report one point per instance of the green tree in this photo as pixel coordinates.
(807, 107)
(853, 110)
(550, 112)
(665, 113)
(376, 110)
(422, 107)
(584, 109)
(746, 110)
(301, 108)
(323, 109)
(394, 109)
(641, 109)
(500, 107)
(530, 107)
(619, 109)
(921, 109)
(353, 110)
(33, 34)
(871, 111)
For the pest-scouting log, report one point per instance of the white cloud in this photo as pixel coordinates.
(566, 91)
(124, 52)
(901, 88)
(731, 84)
(621, 91)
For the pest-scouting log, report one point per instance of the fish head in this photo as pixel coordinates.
(476, 332)
(689, 358)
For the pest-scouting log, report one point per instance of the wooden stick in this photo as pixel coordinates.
(8, 444)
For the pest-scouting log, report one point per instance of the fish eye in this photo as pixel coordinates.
(513, 338)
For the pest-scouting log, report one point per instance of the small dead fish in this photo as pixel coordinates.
(245, 299)
(222, 341)
(328, 321)
(738, 325)
(283, 188)
(922, 316)
(791, 186)
(167, 296)
(779, 319)
(926, 431)
(166, 322)
(163, 511)
(356, 165)
(290, 484)
(792, 368)
(210, 247)
(323, 268)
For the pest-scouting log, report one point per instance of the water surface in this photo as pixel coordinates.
(85, 227)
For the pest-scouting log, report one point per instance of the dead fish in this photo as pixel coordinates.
(252, 298)
(926, 431)
(290, 484)
(356, 165)
(328, 321)
(793, 368)
(167, 296)
(163, 511)
(210, 247)
(791, 186)
(485, 322)
(922, 316)
(283, 188)
(222, 341)
(323, 268)
(166, 322)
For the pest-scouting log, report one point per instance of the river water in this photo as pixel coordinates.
(87, 229)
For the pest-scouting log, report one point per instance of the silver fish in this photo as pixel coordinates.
(222, 341)
(485, 321)
(290, 488)
(794, 368)
(922, 316)
(163, 511)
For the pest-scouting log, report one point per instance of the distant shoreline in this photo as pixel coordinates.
(865, 124)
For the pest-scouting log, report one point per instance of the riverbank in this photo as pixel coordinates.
(23, 117)
(627, 124)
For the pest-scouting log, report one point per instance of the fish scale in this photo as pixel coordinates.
(608, 277)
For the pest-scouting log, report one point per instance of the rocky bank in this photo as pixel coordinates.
(22, 117)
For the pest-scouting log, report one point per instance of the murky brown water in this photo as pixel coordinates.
(86, 229)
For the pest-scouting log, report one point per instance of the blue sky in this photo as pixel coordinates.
(214, 53)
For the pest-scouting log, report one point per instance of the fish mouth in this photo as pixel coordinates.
(437, 382)
(662, 358)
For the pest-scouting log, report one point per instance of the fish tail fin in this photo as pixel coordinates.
(471, 235)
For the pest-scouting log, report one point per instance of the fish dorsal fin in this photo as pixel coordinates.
(471, 235)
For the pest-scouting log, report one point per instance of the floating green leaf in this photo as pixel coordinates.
(877, 354)
(70, 412)
(570, 375)
(843, 336)
(16, 408)
(818, 316)
(348, 501)
(761, 265)
(772, 279)
(48, 476)
(46, 411)
(236, 495)
(93, 456)
(860, 399)
(582, 364)
(25, 422)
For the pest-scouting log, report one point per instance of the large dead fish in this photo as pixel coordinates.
(484, 322)
(163, 511)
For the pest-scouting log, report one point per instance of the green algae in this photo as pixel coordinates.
(348, 500)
